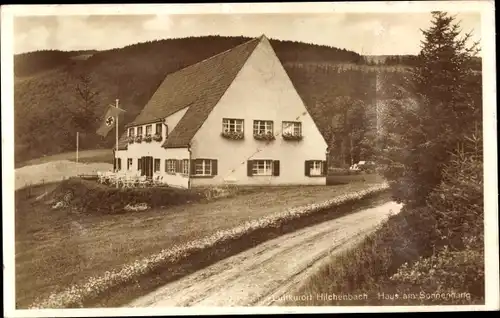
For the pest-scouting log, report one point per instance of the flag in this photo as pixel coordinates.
(109, 120)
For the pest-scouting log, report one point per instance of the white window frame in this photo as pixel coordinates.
(232, 125)
(139, 131)
(171, 166)
(130, 163)
(131, 132)
(293, 127)
(263, 127)
(150, 130)
(262, 167)
(185, 166)
(316, 168)
(203, 165)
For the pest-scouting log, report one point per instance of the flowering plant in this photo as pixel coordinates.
(290, 136)
(264, 136)
(138, 139)
(131, 139)
(157, 137)
(234, 135)
(148, 138)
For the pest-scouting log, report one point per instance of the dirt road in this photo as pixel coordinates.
(262, 275)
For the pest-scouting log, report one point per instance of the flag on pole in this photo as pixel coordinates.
(109, 120)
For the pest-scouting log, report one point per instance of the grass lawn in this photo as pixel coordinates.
(84, 156)
(57, 248)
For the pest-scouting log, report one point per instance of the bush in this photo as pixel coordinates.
(458, 201)
(93, 197)
(458, 276)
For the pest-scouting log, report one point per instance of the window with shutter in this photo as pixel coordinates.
(315, 168)
(203, 167)
(171, 166)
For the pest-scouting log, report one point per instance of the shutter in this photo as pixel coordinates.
(325, 168)
(139, 164)
(119, 163)
(114, 164)
(276, 168)
(307, 168)
(250, 168)
(214, 167)
(192, 165)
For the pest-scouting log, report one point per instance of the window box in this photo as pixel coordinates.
(263, 130)
(148, 138)
(292, 130)
(291, 136)
(138, 139)
(233, 135)
(157, 137)
(232, 129)
(264, 136)
(131, 139)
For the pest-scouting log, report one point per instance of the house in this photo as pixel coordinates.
(234, 118)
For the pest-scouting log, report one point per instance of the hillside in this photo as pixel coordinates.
(46, 82)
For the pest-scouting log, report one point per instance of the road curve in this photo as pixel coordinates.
(259, 276)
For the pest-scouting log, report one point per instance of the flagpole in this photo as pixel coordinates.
(116, 146)
(77, 139)
(77, 147)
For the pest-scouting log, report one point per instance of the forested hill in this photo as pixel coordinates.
(49, 108)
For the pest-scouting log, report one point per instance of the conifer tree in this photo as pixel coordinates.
(432, 110)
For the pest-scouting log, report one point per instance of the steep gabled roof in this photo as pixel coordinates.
(199, 86)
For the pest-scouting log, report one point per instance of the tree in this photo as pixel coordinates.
(84, 116)
(430, 113)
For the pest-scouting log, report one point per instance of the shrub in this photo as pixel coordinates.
(92, 197)
(458, 200)
(448, 276)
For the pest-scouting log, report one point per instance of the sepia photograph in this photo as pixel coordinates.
(263, 158)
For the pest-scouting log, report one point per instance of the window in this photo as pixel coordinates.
(157, 165)
(118, 164)
(131, 132)
(262, 127)
(232, 125)
(139, 164)
(139, 131)
(292, 128)
(149, 130)
(262, 167)
(315, 168)
(185, 166)
(170, 165)
(129, 163)
(203, 167)
(158, 129)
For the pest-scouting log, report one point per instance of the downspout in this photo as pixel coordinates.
(189, 165)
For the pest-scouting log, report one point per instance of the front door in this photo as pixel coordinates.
(147, 166)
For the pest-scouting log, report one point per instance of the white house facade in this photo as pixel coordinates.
(234, 118)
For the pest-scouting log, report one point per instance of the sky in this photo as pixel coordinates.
(364, 33)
